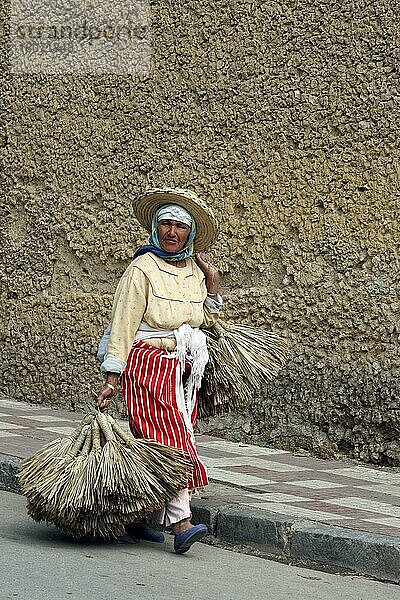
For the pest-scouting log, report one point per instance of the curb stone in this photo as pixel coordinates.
(9, 467)
(374, 555)
(246, 525)
(364, 553)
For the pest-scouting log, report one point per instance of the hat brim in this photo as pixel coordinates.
(149, 202)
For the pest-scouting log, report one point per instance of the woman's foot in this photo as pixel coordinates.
(186, 534)
(141, 531)
(182, 526)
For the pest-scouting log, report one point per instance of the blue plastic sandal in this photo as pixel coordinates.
(141, 532)
(184, 540)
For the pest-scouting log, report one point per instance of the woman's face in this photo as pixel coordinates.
(172, 235)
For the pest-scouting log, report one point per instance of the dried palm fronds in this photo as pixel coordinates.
(243, 359)
(100, 479)
(52, 459)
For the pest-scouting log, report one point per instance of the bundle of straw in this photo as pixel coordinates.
(100, 479)
(243, 359)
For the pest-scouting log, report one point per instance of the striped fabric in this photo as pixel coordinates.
(149, 386)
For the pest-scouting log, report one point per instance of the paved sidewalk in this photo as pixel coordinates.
(293, 488)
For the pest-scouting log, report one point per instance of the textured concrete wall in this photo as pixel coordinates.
(284, 116)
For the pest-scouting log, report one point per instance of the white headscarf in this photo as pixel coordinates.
(175, 213)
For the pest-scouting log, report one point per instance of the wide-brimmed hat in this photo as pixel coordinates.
(151, 200)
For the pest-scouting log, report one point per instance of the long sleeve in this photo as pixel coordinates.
(212, 309)
(129, 306)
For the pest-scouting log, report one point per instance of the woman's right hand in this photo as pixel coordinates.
(104, 397)
(108, 391)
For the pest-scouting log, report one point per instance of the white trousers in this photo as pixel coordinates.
(175, 510)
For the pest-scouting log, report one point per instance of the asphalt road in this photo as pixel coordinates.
(37, 563)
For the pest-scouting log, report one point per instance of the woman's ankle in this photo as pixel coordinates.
(181, 526)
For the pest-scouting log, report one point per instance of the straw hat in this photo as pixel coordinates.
(151, 200)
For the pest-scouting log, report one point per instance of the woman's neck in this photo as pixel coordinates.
(180, 264)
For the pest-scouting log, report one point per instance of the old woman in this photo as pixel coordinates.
(156, 348)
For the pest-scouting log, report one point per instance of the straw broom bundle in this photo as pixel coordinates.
(84, 495)
(51, 453)
(243, 359)
(101, 480)
(54, 460)
(60, 494)
(158, 459)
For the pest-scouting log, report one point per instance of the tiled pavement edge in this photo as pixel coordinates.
(296, 507)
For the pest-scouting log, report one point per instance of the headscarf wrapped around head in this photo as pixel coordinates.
(172, 212)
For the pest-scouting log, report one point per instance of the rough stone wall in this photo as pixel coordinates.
(284, 116)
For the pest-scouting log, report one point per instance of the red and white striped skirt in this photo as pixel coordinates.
(149, 385)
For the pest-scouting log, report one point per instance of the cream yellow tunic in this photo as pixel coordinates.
(162, 295)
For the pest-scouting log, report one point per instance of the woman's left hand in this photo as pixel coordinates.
(210, 271)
